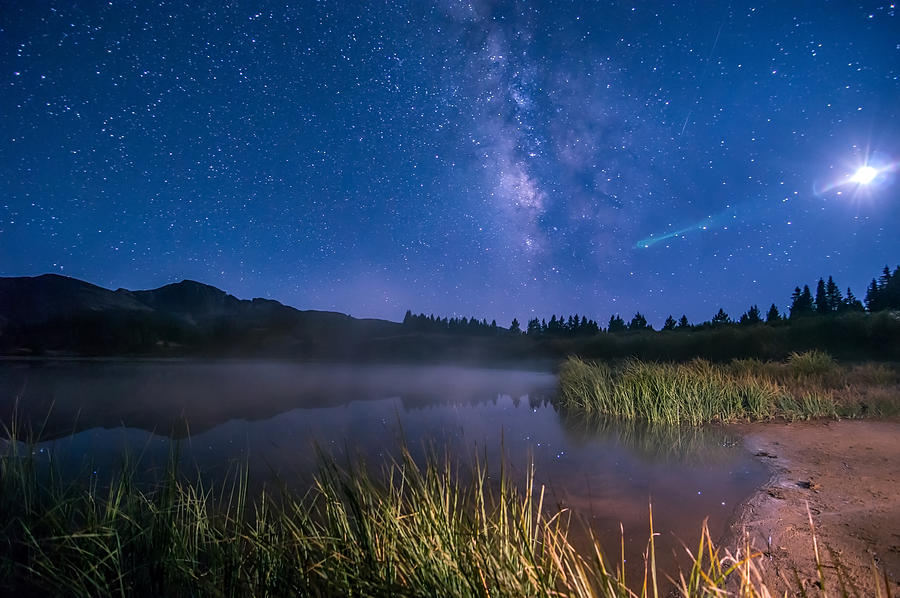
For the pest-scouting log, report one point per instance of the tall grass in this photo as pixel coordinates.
(412, 531)
(807, 385)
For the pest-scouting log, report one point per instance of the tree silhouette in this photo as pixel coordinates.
(873, 300)
(751, 316)
(669, 324)
(683, 322)
(822, 306)
(773, 316)
(833, 295)
(553, 325)
(851, 303)
(616, 324)
(639, 322)
(721, 318)
(892, 291)
(885, 292)
(885, 279)
(801, 302)
(514, 327)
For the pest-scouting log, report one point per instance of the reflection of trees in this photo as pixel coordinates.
(697, 444)
(61, 398)
(416, 401)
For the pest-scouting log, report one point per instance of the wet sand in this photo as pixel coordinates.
(848, 472)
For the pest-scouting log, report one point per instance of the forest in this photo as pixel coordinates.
(828, 320)
(882, 294)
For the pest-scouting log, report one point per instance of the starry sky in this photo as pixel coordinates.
(497, 159)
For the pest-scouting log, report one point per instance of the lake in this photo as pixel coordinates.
(274, 416)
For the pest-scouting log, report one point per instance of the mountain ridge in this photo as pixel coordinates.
(62, 314)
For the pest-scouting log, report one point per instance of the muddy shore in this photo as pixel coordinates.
(848, 473)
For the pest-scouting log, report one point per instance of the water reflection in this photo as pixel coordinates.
(62, 397)
(273, 416)
(654, 442)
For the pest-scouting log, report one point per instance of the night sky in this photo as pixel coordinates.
(473, 158)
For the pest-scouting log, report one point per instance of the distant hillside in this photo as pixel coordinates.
(27, 300)
(54, 314)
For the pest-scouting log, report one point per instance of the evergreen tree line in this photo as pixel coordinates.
(829, 300)
(883, 293)
(423, 323)
(572, 326)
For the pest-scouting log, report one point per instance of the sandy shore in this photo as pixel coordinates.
(848, 472)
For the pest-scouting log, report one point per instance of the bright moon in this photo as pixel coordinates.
(865, 175)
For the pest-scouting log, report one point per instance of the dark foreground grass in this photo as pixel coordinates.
(414, 531)
(807, 385)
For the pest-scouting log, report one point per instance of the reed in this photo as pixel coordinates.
(410, 531)
(807, 385)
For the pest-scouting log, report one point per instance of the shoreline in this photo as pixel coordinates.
(848, 473)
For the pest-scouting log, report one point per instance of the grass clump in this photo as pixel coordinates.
(807, 385)
(812, 363)
(412, 531)
(665, 393)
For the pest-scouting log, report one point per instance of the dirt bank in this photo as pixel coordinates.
(849, 474)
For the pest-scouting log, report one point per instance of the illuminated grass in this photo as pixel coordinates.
(807, 385)
(414, 531)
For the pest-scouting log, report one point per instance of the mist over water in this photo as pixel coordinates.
(275, 417)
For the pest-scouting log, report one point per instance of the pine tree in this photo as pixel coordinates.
(892, 291)
(616, 324)
(773, 316)
(721, 318)
(801, 302)
(822, 306)
(885, 292)
(873, 298)
(534, 327)
(514, 327)
(669, 324)
(806, 300)
(851, 303)
(795, 302)
(885, 279)
(638, 322)
(751, 316)
(683, 322)
(833, 295)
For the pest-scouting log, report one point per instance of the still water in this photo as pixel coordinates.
(274, 416)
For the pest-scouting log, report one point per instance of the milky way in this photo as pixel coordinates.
(475, 158)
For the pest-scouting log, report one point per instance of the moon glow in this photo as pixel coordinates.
(865, 175)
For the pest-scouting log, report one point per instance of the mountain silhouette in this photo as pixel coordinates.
(191, 301)
(32, 300)
(53, 314)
